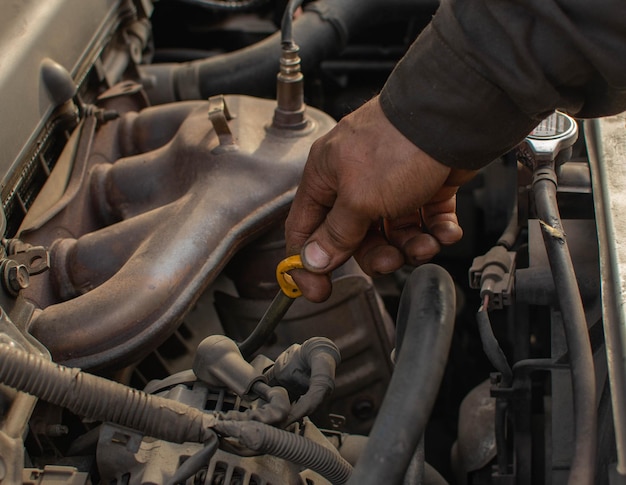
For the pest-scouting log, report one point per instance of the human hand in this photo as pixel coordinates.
(362, 172)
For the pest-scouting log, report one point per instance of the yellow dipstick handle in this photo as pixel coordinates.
(285, 281)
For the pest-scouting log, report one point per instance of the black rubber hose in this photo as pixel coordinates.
(417, 467)
(228, 6)
(424, 332)
(509, 236)
(322, 30)
(286, 26)
(575, 326)
(288, 446)
(103, 400)
(491, 347)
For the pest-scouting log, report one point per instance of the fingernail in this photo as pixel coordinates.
(315, 256)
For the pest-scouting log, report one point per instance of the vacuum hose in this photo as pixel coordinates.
(424, 332)
(575, 326)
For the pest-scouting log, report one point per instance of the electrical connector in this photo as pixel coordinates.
(492, 273)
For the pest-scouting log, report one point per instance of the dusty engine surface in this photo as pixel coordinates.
(146, 177)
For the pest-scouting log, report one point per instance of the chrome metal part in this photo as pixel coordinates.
(554, 134)
(290, 107)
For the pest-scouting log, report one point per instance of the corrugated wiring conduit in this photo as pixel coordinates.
(103, 400)
(289, 446)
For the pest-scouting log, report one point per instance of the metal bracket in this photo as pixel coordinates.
(220, 116)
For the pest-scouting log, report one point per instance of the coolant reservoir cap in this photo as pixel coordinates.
(554, 134)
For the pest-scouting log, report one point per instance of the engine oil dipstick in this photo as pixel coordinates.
(285, 281)
(287, 294)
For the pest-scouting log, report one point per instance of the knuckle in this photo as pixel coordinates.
(337, 236)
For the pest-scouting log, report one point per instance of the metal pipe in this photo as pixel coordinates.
(606, 161)
(266, 326)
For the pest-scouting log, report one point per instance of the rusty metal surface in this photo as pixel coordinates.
(154, 209)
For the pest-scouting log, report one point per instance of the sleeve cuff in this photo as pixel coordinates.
(448, 109)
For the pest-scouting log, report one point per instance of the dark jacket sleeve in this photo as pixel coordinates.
(484, 73)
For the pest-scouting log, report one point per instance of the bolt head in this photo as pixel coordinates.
(16, 277)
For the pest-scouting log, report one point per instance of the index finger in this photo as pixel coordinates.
(306, 215)
(315, 196)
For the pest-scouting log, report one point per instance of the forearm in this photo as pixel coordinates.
(485, 72)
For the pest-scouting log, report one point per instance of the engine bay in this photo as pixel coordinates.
(146, 180)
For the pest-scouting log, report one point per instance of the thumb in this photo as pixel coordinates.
(335, 240)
